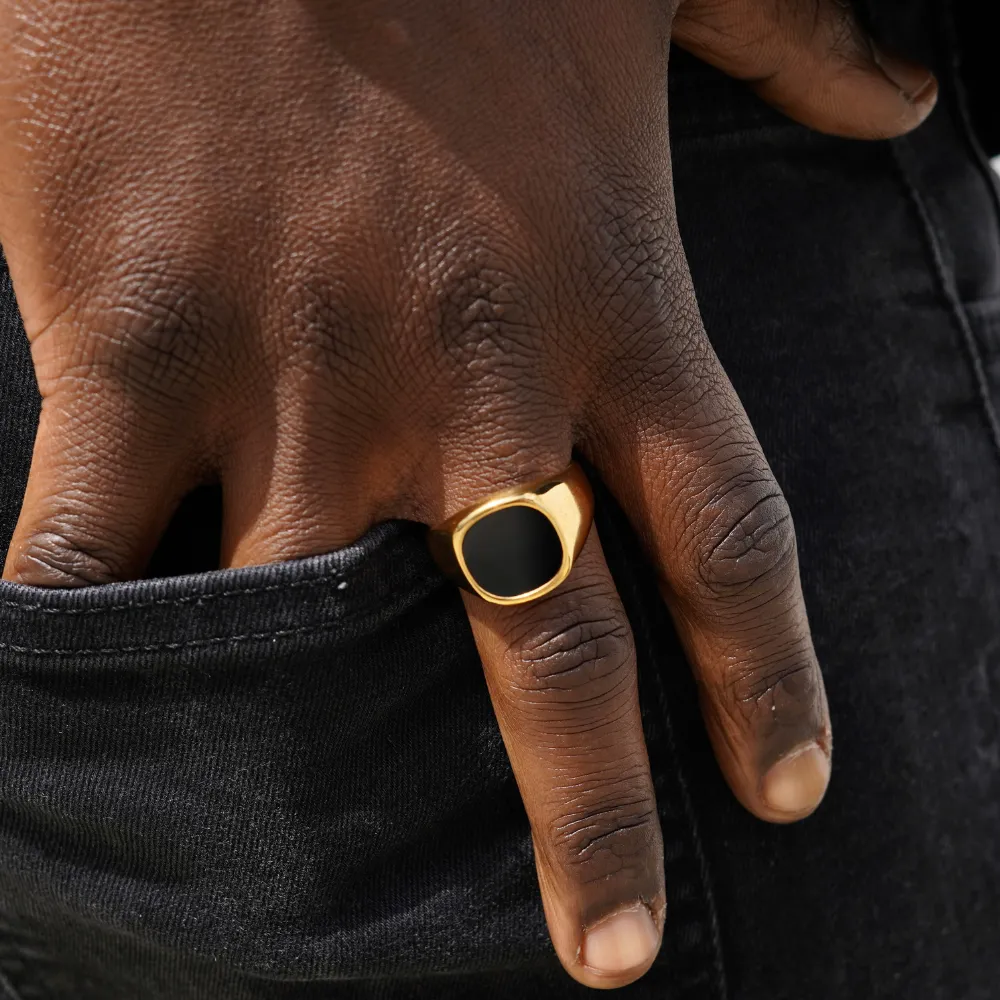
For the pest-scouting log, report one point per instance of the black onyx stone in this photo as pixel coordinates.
(512, 551)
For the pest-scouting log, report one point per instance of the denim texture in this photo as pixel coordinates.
(286, 781)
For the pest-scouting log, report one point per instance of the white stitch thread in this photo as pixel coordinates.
(171, 601)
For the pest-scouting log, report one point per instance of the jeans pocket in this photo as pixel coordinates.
(264, 774)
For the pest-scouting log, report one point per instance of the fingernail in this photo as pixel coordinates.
(626, 940)
(797, 782)
(917, 83)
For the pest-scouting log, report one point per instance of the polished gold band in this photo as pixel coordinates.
(518, 545)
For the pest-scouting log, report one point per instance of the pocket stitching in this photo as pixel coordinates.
(173, 601)
(209, 641)
(164, 646)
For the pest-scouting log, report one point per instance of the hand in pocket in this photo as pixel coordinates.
(363, 260)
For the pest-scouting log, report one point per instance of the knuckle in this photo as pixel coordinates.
(157, 331)
(777, 698)
(481, 306)
(59, 557)
(481, 347)
(336, 330)
(582, 653)
(636, 264)
(612, 832)
(747, 550)
(630, 273)
(783, 675)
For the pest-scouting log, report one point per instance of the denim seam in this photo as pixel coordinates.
(718, 971)
(174, 601)
(173, 646)
(244, 637)
(968, 131)
(198, 599)
(641, 630)
(932, 235)
(765, 129)
(9, 993)
(948, 289)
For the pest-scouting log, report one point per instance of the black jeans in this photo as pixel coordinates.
(286, 782)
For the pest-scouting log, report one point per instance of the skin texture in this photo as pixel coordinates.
(381, 258)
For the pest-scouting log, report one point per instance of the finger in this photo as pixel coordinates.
(562, 676)
(100, 493)
(691, 475)
(812, 61)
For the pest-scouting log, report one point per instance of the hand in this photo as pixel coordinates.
(379, 258)
(812, 60)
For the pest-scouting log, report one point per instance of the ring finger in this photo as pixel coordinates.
(562, 676)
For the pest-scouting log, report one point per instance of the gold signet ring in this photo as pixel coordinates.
(518, 545)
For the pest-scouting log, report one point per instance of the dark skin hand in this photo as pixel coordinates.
(366, 259)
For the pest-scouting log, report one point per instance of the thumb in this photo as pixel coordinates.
(813, 61)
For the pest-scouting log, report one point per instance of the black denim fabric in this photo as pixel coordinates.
(286, 782)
